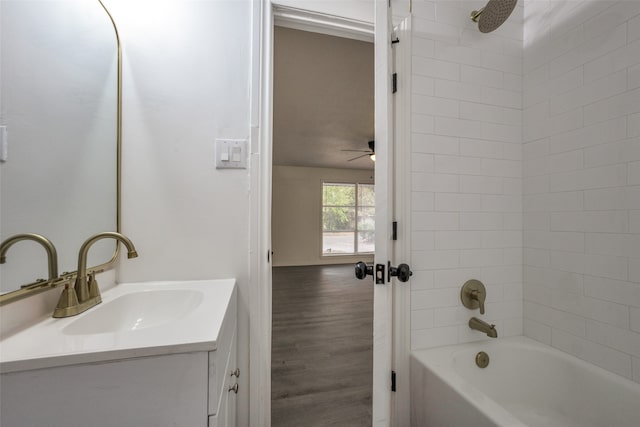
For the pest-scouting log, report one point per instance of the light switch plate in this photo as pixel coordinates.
(231, 153)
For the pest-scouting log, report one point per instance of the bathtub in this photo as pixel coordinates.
(525, 384)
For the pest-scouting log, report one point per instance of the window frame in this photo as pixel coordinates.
(356, 206)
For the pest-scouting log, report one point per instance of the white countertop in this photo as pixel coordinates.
(46, 344)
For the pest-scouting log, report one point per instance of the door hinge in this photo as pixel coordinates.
(393, 380)
(394, 230)
(394, 82)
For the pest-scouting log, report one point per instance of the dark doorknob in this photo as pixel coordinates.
(402, 272)
(363, 269)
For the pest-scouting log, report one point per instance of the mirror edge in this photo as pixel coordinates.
(67, 277)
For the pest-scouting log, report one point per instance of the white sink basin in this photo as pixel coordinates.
(137, 310)
(133, 320)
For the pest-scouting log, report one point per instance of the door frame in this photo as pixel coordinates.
(264, 15)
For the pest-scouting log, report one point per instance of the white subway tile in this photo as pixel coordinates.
(434, 337)
(633, 125)
(573, 262)
(598, 354)
(433, 106)
(457, 53)
(481, 184)
(422, 201)
(512, 82)
(422, 162)
(422, 85)
(606, 131)
(501, 203)
(481, 76)
(566, 122)
(636, 369)
(599, 177)
(432, 298)
(612, 198)
(634, 271)
(633, 77)
(618, 338)
(422, 319)
(606, 221)
(513, 292)
(537, 239)
(634, 29)
(455, 278)
(634, 222)
(567, 221)
(500, 62)
(536, 221)
(507, 274)
(617, 60)
(537, 257)
(538, 294)
(536, 184)
(490, 113)
(536, 149)
(537, 331)
(422, 280)
(457, 127)
(501, 97)
(458, 90)
(481, 221)
(481, 257)
(499, 167)
(481, 148)
(435, 221)
(567, 241)
(502, 132)
(566, 161)
(434, 68)
(422, 46)
(615, 106)
(606, 266)
(502, 239)
(635, 319)
(634, 173)
(447, 316)
(437, 144)
(457, 240)
(457, 202)
(623, 245)
(618, 291)
(437, 182)
(421, 123)
(422, 240)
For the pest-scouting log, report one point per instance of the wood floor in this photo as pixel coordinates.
(322, 358)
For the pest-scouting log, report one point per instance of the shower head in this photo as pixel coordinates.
(493, 14)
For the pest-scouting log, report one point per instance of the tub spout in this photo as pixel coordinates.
(482, 326)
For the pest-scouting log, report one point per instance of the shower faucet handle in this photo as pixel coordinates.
(473, 294)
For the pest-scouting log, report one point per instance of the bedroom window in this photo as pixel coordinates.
(348, 218)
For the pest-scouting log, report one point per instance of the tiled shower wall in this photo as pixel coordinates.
(581, 136)
(466, 172)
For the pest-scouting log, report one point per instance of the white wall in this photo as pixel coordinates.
(466, 171)
(187, 68)
(297, 214)
(582, 180)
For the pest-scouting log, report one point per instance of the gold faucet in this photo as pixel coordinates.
(52, 254)
(482, 326)
(85, 295)
(473, 294)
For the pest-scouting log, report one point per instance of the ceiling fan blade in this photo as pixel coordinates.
(355, 158)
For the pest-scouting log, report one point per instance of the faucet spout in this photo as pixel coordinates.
(81, 286)
(482, 326)
(52, 254)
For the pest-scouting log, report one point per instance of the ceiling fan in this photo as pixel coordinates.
(371, 152)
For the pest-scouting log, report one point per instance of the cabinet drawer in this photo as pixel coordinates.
(218, 359)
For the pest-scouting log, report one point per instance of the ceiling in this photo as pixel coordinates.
(323, 100)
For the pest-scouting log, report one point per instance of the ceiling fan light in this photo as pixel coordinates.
(372, 157)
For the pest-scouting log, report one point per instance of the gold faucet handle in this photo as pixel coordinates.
(94, 291)
(473, 295)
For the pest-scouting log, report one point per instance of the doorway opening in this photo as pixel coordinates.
(323, 211)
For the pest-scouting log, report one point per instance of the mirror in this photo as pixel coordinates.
(59, 99)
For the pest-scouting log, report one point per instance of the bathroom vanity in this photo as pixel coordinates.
(152, 354)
